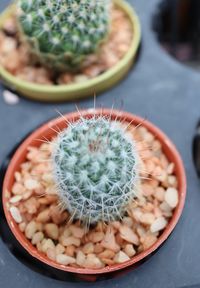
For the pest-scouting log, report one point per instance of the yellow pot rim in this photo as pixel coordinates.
(91, 82)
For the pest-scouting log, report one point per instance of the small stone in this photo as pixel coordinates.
(96, 236)
(80, 258)
(109, 240)
(147, 218)
(98, 248)
(22, 226)
(60, 249)
(158, 225)
(37, 237)
(127, 221)
(18, 189)
(56, 215)
(147, 190)
(31, 184)
(127, 234)
(51, 230)
(10, 98)
(31, 205)
(77, 231)
(129, 250)
(30, 229)
(170, 168)
(171, 197)
(47, 244)
(71, 241)
(149, 240)
(88, 248)
(14, 211)
(51, 254)
(18, 176)
(172, 181)
(107, 254)
(48, 178)
(70, 250)
(121, 257)
(15, 199)
(64, 259)
(43, 216)
(93, 262)
(159, 193)
(165, 207)
(9, 26)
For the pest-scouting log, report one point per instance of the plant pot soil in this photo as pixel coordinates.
(16, 59)
(30, 204)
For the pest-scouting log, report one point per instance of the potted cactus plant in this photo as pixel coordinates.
(94, 198)
(67, 49)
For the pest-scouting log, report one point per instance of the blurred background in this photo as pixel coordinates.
(177, 25)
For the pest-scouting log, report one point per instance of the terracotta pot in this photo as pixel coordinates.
(46, 132)
(78, 90)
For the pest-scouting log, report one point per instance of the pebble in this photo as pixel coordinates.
(127, 234)
(158, 225)
(93, 262)
(60, 249)
(64, 259)
(14, 211)
(121, 257)
(31, 184)
(51, 253)
(43, 216)
(10, 98)
(18, 189)
(80, 258)
(171, 197)
(52, 231)
(149, 240)
(37, 237)
(127, 221)
(88, 248)
(109, 240)
(129, 250)
(159, 193)
(30, 229)
(107, 254)
(47, 244)
(77, 231)
(15, 199)
(70, 250)
(96, 236)
(147, 218)
(71, 241)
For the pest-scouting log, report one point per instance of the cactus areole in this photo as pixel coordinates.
(62, 33)
(95, 165)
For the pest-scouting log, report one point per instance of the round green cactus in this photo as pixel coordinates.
(62, 33)
(95, 164)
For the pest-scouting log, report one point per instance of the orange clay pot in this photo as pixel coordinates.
(46, 132)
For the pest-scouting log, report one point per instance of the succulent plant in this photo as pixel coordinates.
(95, 164)
(62, 33)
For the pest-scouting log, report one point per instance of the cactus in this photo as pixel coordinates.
(95, 166)
(62, 33)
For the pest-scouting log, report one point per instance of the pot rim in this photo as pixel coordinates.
(73, 116)
(129, 10)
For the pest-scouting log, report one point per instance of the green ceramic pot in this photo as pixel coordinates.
(78, 90)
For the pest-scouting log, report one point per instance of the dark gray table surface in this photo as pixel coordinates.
(168, 94)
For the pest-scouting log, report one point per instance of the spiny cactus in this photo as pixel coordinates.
(95, 165)
(62, 33)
